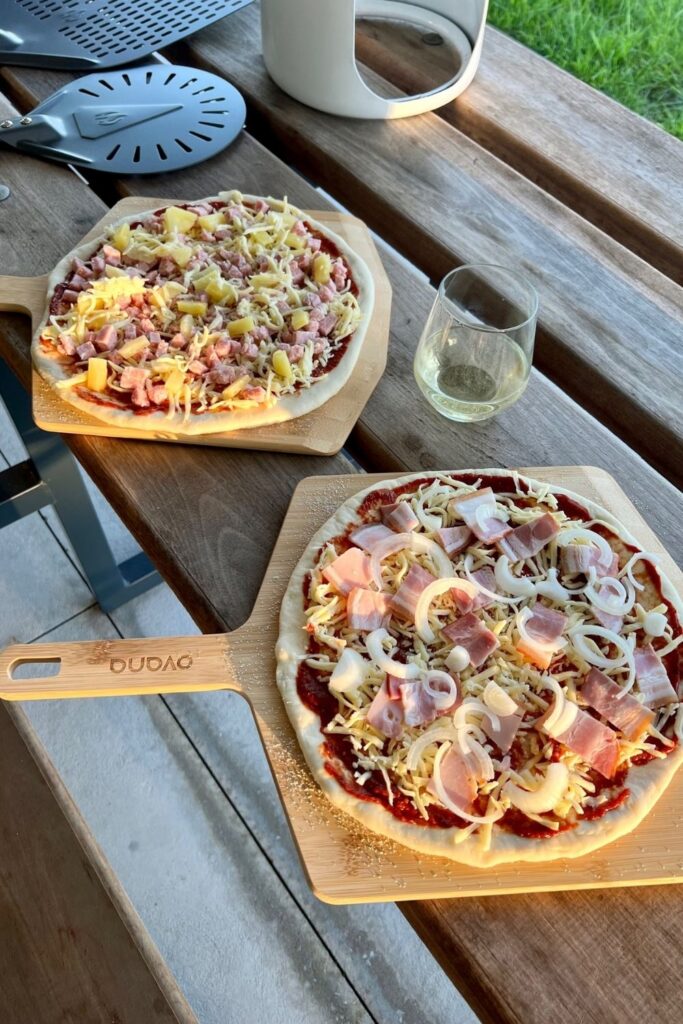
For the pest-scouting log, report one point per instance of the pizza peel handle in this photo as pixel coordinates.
(23, 295)
(118, 668)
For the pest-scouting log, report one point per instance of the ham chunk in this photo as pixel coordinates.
(458, 780)
(399, 516)
(596, 743)
(352, 569)
(652, 678)
(404, 601)
(366, 609)
(577, 558)
(418, 704)
(504, 735)
(607, 621)
(105, 339)
(385, 714)
(527, 540)
(368, 537)
(621, 710)
(454, 539)
(477, 510)
(133, 377)
(544, 628)
(470, 632)
(86, 351)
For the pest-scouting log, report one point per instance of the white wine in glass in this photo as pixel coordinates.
(474, 356)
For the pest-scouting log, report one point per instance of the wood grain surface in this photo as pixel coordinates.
(72, 949)
(209, 520)
(616, 169)
(343, 861)
(607, 319)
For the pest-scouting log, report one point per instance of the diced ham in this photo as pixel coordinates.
(366, 609)
(477, 510)
(454, 539)
(385, 714)
(157, 393)
(178, 341)
(68, 345)
(527, 540)
(505, 734)
(111, 255)
(223, 347)
(256, 394)
(105, 339)
(458, 780)
(352, 569)
(399, 516)
(418, 704)
(98, 264)
(327, 324)
(197, 368)
(596, 743)
(222, 375)
(621, 710)
(133, 377)
(130, 331)
(544, 628)
(607, 621)
(651, 677)
(162, 347)
(327, 292)
(139, 397)
(464, 603)
(470, 632)
(78, 283)
(368, 537)
(69, 296)
(86, 351)
(404, 601)
(394, 687)
(297, 273)
(577, 558)
(146, 324)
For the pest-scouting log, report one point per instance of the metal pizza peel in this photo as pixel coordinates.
(142, 120)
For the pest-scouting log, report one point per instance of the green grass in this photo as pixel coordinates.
(630, 49)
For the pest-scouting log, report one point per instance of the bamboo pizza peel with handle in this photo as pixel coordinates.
(344, 862)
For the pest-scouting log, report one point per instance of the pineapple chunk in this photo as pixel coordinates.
(260, 237)
(235, 388)
(110, 271)
(133, 348)
(322, 268)
(181, 254)
(211, 221)
(294, 241)
(222, 292)
(174, 383)
(192, 306)
(176, 219)
(282, 365)
(299, 319)
(121, 237)
(239, 327)
(265, 280)
(97, 374)
(205, 277)
(186, 326)
(172, 289)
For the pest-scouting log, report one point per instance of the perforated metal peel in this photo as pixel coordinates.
(138, 121)
(86, 34)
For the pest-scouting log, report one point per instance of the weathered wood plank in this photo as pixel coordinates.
(204, 544)
(616, 169)
(71, 947)
(607, 319)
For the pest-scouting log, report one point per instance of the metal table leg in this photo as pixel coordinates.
(50, 476)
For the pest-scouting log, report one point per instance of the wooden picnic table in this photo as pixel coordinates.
(529, 168)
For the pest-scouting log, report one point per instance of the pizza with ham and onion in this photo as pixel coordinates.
(484, 667)
(229, 312)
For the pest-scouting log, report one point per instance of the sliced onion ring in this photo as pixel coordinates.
(416, 542)
(418, 747)
(384, 661)
(349, 672)
(550, 791)
(549, 646)
(447, 802)
(579, 533)
(518, 586)
(433, 590)
(628, 568)
(433, 684)
(618, 604)
(497, 700)
(578, 635)
(564, 711)
(551, 588)
(498, 598)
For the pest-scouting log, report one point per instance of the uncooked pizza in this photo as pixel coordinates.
(484, 667)
(230, 312)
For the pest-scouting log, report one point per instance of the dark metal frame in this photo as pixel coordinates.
(50, 476)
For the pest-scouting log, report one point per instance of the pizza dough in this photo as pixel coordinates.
(303, 393)
(483, 845)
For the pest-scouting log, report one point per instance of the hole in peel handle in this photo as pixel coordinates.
(118, 668)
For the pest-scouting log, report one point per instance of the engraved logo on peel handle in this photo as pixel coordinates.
(150, 664)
